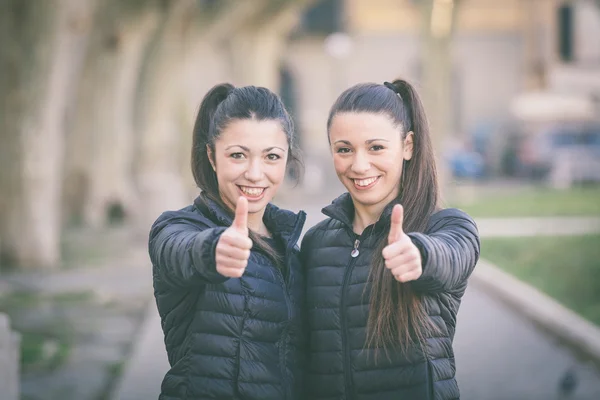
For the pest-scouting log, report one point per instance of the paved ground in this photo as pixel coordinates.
(500, 355)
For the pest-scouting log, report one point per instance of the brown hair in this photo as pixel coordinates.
(223, 104)
(397, 318)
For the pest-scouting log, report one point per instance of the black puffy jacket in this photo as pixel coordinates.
(339, 366)
(228, 338)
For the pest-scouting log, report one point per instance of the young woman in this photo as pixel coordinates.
(387, 270)
(226, 269)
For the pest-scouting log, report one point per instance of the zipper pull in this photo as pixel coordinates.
(354, 253)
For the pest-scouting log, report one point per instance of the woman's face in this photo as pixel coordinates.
(368, 153)
(250, 160)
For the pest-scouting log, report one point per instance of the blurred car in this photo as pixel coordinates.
(565, 154)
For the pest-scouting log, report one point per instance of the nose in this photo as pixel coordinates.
(254, 173)
(360, 163)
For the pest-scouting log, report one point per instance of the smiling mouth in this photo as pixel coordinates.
(367, 183)
(252, 192)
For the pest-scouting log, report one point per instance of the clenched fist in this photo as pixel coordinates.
(233, 249)
(401, 256)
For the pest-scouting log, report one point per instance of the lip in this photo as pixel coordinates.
(377, 178)
(250, 197)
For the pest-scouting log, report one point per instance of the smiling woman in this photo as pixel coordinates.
(249, 159)
(226, 271)
(366, 150)
(387, 270)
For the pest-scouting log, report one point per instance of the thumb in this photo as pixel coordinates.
(240, 221)
(396, 231)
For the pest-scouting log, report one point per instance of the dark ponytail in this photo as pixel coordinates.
(397, 318)
(205, 177)
(223, 104)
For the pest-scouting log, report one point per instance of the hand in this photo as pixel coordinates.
(233, 249)
(401, 256)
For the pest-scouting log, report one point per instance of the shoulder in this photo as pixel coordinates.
(450, 216)
(188, 216)
(327, 228)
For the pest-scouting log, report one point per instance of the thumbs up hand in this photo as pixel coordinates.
(401, 256)
(233, 249)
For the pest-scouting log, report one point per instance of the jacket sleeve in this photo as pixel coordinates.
(449, 252)
(183, 251)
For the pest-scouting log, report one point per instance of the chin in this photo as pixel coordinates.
(257, 207)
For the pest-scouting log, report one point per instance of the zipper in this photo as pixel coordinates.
(284, 344)
(345, 344)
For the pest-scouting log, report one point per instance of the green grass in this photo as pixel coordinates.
(566, 268)
(46, 344)
(33, 355)
(532, 202)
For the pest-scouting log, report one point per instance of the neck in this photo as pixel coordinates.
(256, 224)
(365, 216)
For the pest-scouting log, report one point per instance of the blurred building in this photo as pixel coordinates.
(501, 50)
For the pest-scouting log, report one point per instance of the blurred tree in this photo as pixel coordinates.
(101, 145)
(438, 19)
(256, 48)
(157, 165)
(37, 60)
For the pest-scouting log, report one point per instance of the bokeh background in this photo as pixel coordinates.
(97, 104)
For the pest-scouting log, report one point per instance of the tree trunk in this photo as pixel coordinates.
(100, 175)
(157, 166)
(257, 46)
(37, 61)
(204, 65)
(438, 22)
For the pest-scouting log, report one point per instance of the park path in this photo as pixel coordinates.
(500, 355)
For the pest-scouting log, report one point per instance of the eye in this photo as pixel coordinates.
(273, 157)
(377, 147)
(343, 150)
(237, 156)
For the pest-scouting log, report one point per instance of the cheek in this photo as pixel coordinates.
(340, 164)
(276, 173)
(227, 171)
(391, 165)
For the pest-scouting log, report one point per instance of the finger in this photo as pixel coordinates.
(231, 237)
(393, 250)
(231, 263)
(405, 261)
(240, 222)
(396, 231)
(234, 252)
(400, 270)
(409, 276)
(402, 246)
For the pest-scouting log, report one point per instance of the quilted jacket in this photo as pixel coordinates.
(228, 338)
(339, 366)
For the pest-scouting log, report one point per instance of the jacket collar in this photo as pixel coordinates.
(284, 223)
(342, 209)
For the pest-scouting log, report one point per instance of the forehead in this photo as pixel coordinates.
(362, 126)
(253, 133)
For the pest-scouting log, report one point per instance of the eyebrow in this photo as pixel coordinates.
(248, 150)
(272, 148)
(366, 141)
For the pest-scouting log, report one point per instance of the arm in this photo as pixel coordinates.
(182, 251)
(449, 252)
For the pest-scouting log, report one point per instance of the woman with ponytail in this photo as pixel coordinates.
(387, 270)
(226, 269)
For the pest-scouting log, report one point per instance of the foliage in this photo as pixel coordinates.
(566, 268)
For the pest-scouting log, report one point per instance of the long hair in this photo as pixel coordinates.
(223, 104)
(397, 317)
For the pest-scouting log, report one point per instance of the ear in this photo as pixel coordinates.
(211, 157)
(408, 146)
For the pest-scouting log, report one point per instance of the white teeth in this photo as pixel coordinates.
(252, 191)
(364, 182)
